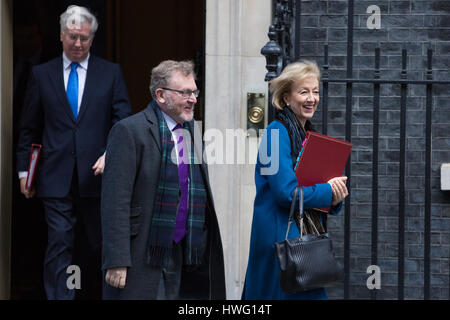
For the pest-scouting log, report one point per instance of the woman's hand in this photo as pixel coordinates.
(339, 189)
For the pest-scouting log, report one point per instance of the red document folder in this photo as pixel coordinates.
(32, 165)
(322, 158)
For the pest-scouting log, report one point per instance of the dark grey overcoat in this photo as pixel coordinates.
(130, 180)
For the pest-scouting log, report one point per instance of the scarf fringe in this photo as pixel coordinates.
(159, 256)
(195, 258)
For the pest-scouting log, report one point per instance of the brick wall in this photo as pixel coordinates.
(417, 25)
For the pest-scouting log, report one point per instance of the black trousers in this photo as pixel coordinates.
(74, 238)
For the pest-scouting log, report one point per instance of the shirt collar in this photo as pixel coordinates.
(67, 62)
(170, 122)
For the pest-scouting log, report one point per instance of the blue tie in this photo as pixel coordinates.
(72, 89)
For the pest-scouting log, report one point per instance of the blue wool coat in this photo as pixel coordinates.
(274, 190)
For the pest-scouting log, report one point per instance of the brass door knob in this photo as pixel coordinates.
(255, 115)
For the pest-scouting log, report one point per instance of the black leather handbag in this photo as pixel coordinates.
(306, 262)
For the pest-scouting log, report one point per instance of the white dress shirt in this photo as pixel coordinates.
(82, 72)
(171, 124)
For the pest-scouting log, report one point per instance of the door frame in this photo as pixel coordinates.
(6, 93)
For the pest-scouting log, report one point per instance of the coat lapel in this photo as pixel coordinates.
(153, 125)
(89, 86)
(56, 75)
(154, 131)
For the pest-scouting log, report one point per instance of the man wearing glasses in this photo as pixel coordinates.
(161, 237)
(71, 104)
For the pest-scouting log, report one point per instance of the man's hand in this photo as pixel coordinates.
(116, 277)
(27, 193)
(339, 189)
(99, 166)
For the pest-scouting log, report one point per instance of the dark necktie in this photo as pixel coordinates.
(72, 89)
(183, 175)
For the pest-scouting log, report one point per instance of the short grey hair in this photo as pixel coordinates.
(162, 73)
(75, 15)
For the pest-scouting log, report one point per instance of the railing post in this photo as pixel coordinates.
(325, 76)
(428, 142)
(272, 51)
(402, 179)
(375, 138)
(278, 50)
(348, 137)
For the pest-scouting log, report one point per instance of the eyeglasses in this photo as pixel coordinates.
(185, 94)
(74, 37)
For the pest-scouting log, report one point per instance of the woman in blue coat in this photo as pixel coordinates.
(295, 96)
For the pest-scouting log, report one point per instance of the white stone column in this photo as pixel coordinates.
(236, 30)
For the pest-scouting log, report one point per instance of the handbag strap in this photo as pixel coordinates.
(300, 205)
(324, 222)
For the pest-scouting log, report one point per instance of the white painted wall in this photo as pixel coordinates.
(236, 30)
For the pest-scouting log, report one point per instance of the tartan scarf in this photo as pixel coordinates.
(166, 203)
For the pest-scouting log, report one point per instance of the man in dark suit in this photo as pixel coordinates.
(161, 237)
(71, 104)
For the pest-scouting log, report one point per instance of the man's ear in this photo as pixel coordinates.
(160, 96)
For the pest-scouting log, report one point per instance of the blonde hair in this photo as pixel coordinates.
(292, 73)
